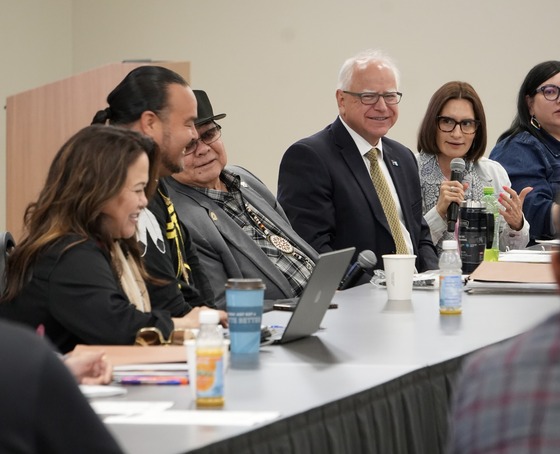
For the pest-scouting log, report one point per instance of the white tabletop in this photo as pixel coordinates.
(367, 341)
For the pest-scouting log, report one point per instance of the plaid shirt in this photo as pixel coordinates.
(293, 268)
(508, 396)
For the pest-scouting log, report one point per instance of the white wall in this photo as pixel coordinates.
(272, 66)
(35, 48)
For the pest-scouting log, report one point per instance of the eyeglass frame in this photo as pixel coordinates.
(194, 143)
(379, 95)
(460, 123)
(161, 340)
(544, 87)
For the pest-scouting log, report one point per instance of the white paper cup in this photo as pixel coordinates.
(399, 271)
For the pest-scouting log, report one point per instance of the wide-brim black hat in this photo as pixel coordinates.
(204, 111)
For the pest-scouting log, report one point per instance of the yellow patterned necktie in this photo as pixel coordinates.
(387, 201)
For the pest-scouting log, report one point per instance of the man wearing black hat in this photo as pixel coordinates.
(236, 223)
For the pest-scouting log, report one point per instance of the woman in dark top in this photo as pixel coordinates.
(77, 274)
(42, 410)
(530, 149)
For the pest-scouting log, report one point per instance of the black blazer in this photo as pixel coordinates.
(327, 193)
(43, 409)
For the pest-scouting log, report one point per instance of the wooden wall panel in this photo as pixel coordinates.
(40, 120)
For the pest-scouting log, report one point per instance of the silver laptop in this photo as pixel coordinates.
(316, 297)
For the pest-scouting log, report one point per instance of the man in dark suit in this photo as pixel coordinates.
(327, 184)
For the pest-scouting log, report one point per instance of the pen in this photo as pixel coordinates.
(152, 380)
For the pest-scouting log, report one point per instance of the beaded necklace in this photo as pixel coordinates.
(279, 242)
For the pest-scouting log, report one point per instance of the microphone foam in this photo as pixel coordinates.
(457, 164)
(367, 259)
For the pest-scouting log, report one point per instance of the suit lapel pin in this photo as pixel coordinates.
(395, 163)
(245, 185)
(213, 216)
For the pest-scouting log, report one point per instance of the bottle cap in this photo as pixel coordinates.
(488, 190)
(449, 244)
(209, 317)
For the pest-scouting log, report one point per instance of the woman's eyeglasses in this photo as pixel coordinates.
(209, 136)
(447, 124)
(153, 336)
(550, 92)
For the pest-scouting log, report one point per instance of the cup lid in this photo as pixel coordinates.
(245, 284)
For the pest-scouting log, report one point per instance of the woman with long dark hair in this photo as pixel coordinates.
(77, 274)
(530, 149)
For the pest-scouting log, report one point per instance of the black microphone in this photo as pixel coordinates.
(366, 261)
(457, 169)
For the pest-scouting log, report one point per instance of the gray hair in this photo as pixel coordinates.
(363, 58)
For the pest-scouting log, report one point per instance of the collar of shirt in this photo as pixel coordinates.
(363, 145)
(230, 179)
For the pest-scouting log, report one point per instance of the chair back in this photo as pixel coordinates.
(7, 243)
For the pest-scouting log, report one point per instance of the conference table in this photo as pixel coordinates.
(377, 377)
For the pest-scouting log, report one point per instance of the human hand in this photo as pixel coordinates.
(90, 368)
(450, 191)
(513, 206)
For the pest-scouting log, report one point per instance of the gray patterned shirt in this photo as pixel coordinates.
(296, 266)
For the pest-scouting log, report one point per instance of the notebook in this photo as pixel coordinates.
(316, 297)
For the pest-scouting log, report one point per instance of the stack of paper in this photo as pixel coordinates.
(526, 256)
(152, 374)
(137, 365)
(134, 354)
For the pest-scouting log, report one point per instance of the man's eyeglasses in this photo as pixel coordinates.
(209, 136)
(447, 124)
(153, 336)
(550, 92)
(369, 98)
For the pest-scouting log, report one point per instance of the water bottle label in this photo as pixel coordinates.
(450, 291)
(209, 373)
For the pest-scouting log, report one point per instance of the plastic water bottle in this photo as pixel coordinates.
(450, 279)
(492, 251)
(209, 361)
